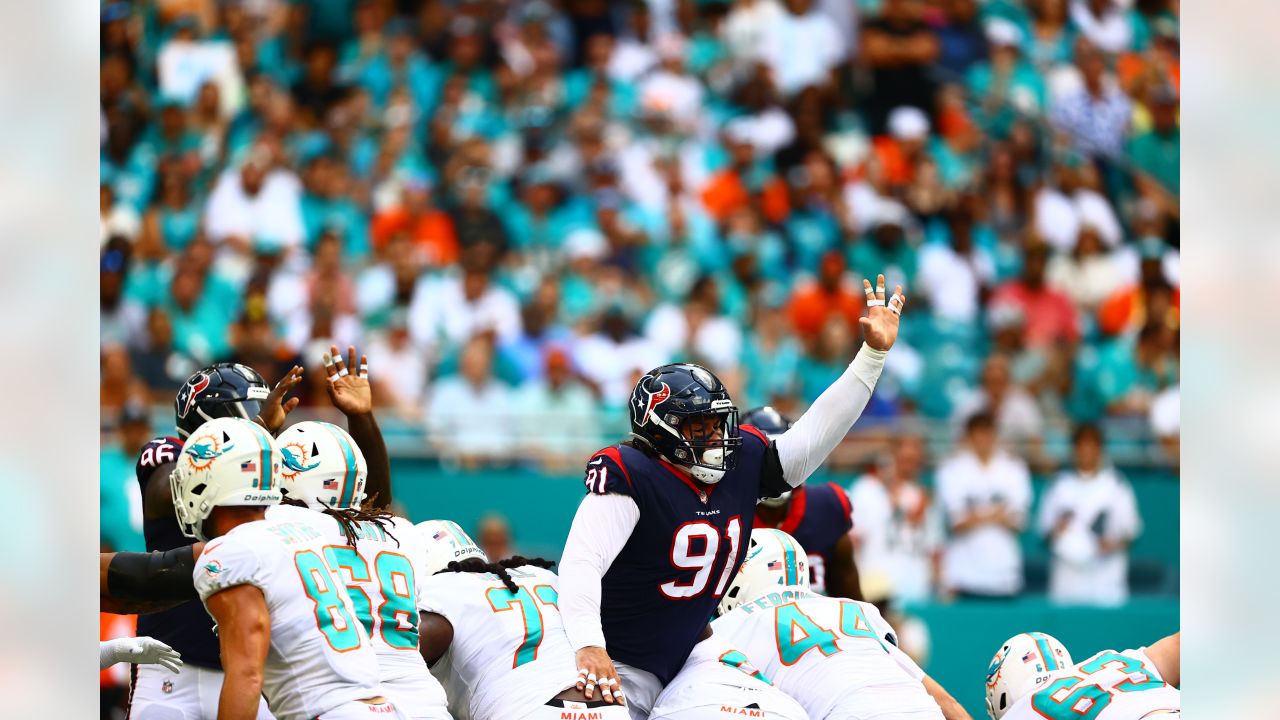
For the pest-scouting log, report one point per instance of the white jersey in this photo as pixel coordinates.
(837, 657)
(384, 584)
(717, 682)
(320, 657)
(1108, 686)
(509, 653)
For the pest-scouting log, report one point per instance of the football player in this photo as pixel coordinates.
(1032, 677)
(493, 635)
(225, 390)
(818, 516)
(285, 622)
(668, 513)
(375, 554)
(719, 683)
(838, 657)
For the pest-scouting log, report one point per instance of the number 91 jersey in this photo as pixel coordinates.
(1107, 686)
(663, 587)
(320, 656)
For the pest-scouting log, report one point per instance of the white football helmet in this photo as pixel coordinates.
(224, 462)
(446, 542)
(322, 466)
(774, 561)
(1020, 667)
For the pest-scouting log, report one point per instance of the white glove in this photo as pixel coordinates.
(139, 651)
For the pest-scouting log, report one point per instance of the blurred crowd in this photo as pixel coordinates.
(514, 207)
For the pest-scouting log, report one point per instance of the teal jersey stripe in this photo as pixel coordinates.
(349, 457)
(1043, 644)
(789, 560)
(264, 444)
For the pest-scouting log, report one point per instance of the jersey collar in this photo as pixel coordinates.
(703, 490)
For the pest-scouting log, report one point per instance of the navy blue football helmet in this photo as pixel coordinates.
(772, 423)
(767, 420)
(221, 390)
(667, 400)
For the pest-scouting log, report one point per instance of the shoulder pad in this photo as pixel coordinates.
(607, 473)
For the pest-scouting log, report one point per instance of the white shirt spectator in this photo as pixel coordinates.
(630, 59)
(463, 419)
(952, 281)
(718, 339)
(768, 131)
(614, 366)
(1110, 32)
(889, 541)
(745, 27)
(1088, 280)
(801, 50)
(557, 423)
(1056, 219)
(440, 311)
(1018, 418)
(1166, 413)
(402, 369)
(985, 559)
(271, 218)
(1101, 505)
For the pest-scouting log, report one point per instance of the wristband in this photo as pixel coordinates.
(868, 364)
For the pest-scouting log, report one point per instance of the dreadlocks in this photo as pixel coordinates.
(349, 518)
(500, 568)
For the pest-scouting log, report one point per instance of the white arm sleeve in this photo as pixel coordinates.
(808, 443)
(600, 529)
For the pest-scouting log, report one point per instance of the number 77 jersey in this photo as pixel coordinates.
(1107, 686)
(509, 654)
(838, 657)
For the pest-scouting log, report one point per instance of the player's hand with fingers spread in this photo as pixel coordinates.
(880, 326)
(275, 408)
(349, 389)
(596, 673)
(139, 651)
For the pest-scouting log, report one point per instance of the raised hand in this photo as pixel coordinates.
(880, 326)
(275, 408)
(348, 390)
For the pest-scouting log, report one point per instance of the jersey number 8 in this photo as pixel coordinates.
(396, 616)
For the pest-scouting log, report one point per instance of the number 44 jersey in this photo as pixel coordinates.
(838, 657)
(1107, 686)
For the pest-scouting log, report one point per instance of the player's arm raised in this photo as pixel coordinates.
(1166, 653)
(244, 634)
(805, 446)
(350, 392)
(132, 583)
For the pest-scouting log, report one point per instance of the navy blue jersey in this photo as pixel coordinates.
(817, 517)
(660, 592)
(186, 628)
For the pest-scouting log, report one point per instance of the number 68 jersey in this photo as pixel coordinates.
(320, 656)
(1107, 686)
(509, 654)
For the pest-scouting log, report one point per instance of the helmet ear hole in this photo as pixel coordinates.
(198, 489)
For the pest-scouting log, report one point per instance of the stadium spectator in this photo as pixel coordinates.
(1096, 116)
(1104, 23)
(896, 530)
(1050, 318)
(802, 46)
(961, 39)
(985, 493)
(468, 415)
(899, 48)
(558, 415)
(256, 207)
(449, 310)
(493, 533)
(120, 507)
(1089, 516)
(831, 295)
(1018, 418)
(401, 381)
